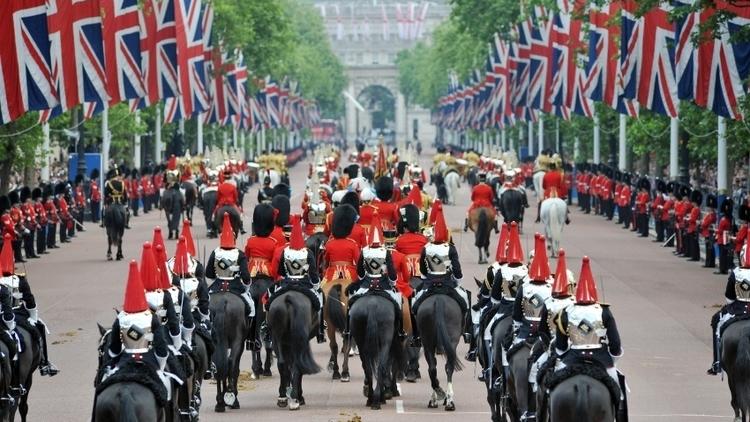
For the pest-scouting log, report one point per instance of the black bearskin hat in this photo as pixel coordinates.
(618, 176)
(351, 198)
(262, 220)
(134, 173)
(711, 201)
(282, 189)
(401, 169)
(36, 193)
(344, 217)
(14, 197)
(25, 193)
(672, 187)
(684, 191)
(360, 146)
(94, 174)
(47, 191)
(644, 183)
(744, 212)
(384, 188)
(661, 186)
(79, 179)
(727, 206)
(4, 203)
(408, 218)
(281, 203)
(696, 196)
(266, 180)
(60, 188)
(145, 170)
(368, 174)
(352, 170)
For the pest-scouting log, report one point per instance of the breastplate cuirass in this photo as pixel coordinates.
(512, 280)
(317, 214)
(437, 258)
(374, 260)
(585, 326)
(554, 307)
(155, 301)
(534, 296)
(190, 287)
(135, 331)
(742, 284)
(224, 260)
(12, 283)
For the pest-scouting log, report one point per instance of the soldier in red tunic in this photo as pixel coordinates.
(63, 212)
(79, 200)
(641, 206)
(134, 191)
(95, 196)
(708, 229)
(260, 247)
(41, 220)
(482, 196)
(53, 217)
(411, 240)
(358, 232)
(693, 249)
(553, 184)
(657, 205)
(387, 210)
(228, 196)
(29, 223)
(341, 253)
(723, 235)
(16, 218)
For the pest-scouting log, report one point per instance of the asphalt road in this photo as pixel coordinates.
(662, 305)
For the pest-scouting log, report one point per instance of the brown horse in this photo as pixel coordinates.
(481, 222)
(334, 313)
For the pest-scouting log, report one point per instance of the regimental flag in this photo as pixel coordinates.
(712, 73)
(189, 28)
(77, 53)
(122, 50)
(568, 77)
(26, 81)
(647, 58)
(540, 56)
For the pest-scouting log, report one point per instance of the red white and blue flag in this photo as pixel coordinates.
(568, 77)
(189, 27)
(122, 50)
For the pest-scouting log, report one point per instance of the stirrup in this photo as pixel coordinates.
(11, 401)
(415, 342)
(471, 355)
(49, 370)
(528, 416)
(17, 391)
(715, 369)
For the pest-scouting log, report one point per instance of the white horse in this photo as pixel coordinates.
(553, 214)
(451, 186)
(538, 179)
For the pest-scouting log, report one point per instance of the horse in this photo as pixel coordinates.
(173, 203)
(553, 213)
(261, 367)
(581, 398)
(452, 184)
(315, 243)
(472, 176)
(114, 221)
(497, 395)
(481, 222)
(334, 313)
(207, 202)
(292, 324)
(518, 377)
(123, 401)
(201, 364)
(190, 192)
(7, 407)
(735, 360)
(234, 218)
(373, 327)
(230, 328)
(412, 353)
(440, 323)
(538, 178)
(512, 205)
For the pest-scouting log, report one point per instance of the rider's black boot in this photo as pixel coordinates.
(538, 211)
(715, 368)
(471, 355)
(415, 340)
(321, 337)
(46, 368)
(466, 224)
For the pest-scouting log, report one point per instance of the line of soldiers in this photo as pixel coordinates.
(674, 208)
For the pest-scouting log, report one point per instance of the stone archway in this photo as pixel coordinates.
(363, 80)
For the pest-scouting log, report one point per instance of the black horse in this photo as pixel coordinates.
(230, 328)
(114, 221)
(581, 398)
(372, 321)
(173, 204)
(260, 366)
(208, 203)
(292, 325)
(191, 197)
(234, 219)
(513, 202)
(735, 360)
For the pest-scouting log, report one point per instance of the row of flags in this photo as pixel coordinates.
(409, 18)
(628, 62)
(58, 54)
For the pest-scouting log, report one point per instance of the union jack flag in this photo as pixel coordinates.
(25, 66)
(231, 89)
(190, 55)
(271, 101)
(77, 52)
(241, 74)
(158, 52)
(647, 58)
(522, 64)
(501, 106)
(713, 72)
(540, 69)
(122, 50)
(568, 77)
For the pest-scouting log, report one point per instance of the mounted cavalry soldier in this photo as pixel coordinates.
(299, 272)
(265, 193)
(341, 253)
(482, 196)
(115, 192)
(260, 247)
(440, 269)
(587, 332)
(387, 210)
(24, 303)
(227, 266)
(737, 295)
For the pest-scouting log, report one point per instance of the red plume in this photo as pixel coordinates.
(437, 206)
(539, 270)
(150, 276)
(135, 295)
(586, 289)
(296, 241)
(7, 260)
(158, 240)
(180, 266)
(560, 288)
(189, 243)
(160, 256)
(515, 250)
(440, 232)
(502, 245)
(227, 233)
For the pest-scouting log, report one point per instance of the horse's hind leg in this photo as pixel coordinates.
(267, 364)
(220, 389)
(345, 366)
(438, 394)
(119, 249)
(449, 404)
(282, 400)
(109, 248)
(333, 362)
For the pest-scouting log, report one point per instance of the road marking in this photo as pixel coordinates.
(399, 406)
(445, 413)
(680, 415)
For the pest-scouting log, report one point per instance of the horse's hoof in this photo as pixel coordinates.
(336, 375)
(281, 402)
(109, 257)
(293, 404)
(331, 367)
(387, 395)
(219, 408)
(254, 376)
(375, 406)
(302, 401)
(432, 405)
(440, 393)
(235, 405)
(345, 377)
(450, 406)
(119, 257)
(411, 376)
(229, 397)
(267, 373)
(365, 391)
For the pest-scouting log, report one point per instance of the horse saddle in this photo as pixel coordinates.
(592, 370)
(296, 287)
(133, 371)
(438, 288)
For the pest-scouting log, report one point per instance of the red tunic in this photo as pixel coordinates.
(553, 182)
(278, 235)
(41, 213)
(655, 204)
(411, 244)
(739, 242)
(52, 211)
(259, 251)
(482, 196)
(8, 227)
(358, 235)
(388, 213)
(80, 197)
(402, 274)
(692, 225)
(96, 195)
(641, 202)
(366, 213)
(666, 208)
(29, 216)
(341, 255)
(708, 221)
(723, 230)
(158, 181)
(226, 195)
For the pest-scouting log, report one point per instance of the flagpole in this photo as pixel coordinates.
(674, 136)
(199, 132)
(576, 148)
(105, 140)
(623, 163)
(45, 149)
(504, 139)
(157, 134)
(597, 139)
(137, 141)
(234, 137)
(721, 174)
(224, 139)
(541, 133)
(530, 140)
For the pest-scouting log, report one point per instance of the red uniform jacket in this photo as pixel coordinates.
(681, 209)
(259, 251)
(41, 213)
(278, 235)
(666, 208)
(147, 186)
(618, 195)
(80, 197)
(341, 255)
(366, 212)
(54, 218)
(158, 181)
(96, 195)
(723, 230)
(623, 196)
(29, 216)
(739, 242)
(655, 204)
(553, 182)
(708, 221)
(16, 215)
(402, 274)
(605, 188)
(695, 214)
(388, 213)
(482, 196)
(133, 189)
(8, 226)
(641, 202)
(226, 195)
(358, 235)
(411, 244)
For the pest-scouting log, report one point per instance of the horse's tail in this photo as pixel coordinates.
(336, 314)
(373, 342)
(555, 222)
(582, 400)
(299, 340)
(441, 331)
(127, 408)
(220, 353)
(482, 235)
(741, 375)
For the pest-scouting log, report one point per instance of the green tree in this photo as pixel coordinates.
(19, 148)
